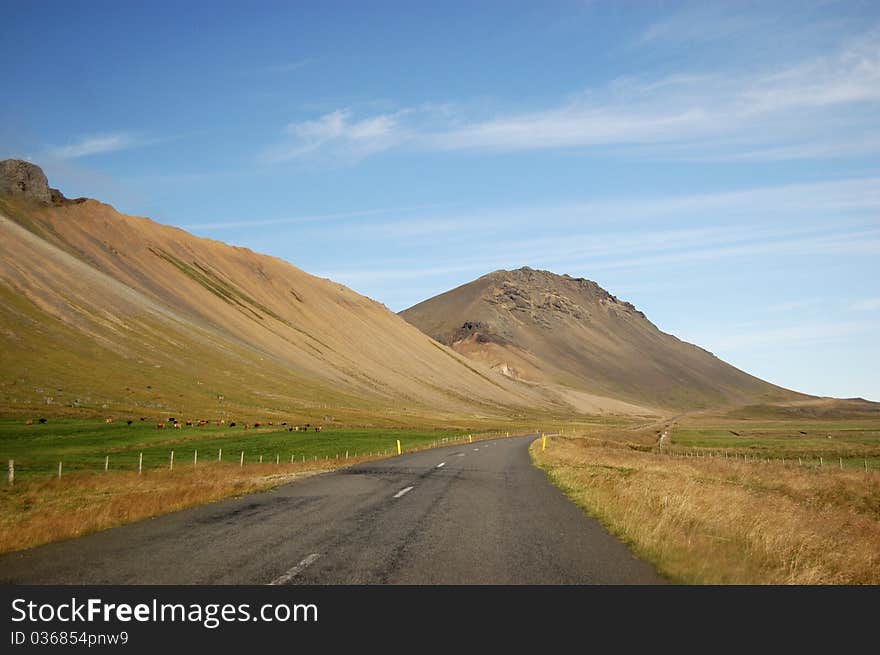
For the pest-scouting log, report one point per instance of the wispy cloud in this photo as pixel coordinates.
(795, 221)
(794, 305)
(797, 335)
(339, 133)
(786, 112)
(97, 144)
(868, 305)
(824, 106)
(703, 22)
(287, 67)
(314, 218)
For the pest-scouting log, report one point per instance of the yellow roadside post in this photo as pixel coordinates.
(398, 446)
(543, 441)
(470, 438)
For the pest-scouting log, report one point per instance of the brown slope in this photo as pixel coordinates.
(569, 331)
(94, 305)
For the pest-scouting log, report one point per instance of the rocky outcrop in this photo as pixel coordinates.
(22, 179)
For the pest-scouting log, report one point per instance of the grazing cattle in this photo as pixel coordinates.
(171, 419)
(257, 424)
(285, 423)
(30, 421)
(109, 419)
(290, 429)
(318, 428)
(41, 421)
(203, 423)
(129, 422)
(270, 423)
(189, 424)
(247, 426)
(160, 426)
(177, 425)
(143, 418)
(232, 425)
(222, 421)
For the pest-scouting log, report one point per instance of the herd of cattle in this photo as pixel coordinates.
(175, 423)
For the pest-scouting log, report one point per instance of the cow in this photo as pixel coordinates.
(30, 421)
(189, 424)
(318, 428)
(177, 425)
(109, 419)
(257, 424)
(232, 425)
(160, 426)
(129, 422)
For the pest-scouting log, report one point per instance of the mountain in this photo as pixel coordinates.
(554, 329)
(112, 314)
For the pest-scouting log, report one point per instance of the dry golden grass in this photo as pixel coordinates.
(38, 511)
(722, 521)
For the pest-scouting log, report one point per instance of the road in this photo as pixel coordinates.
(476, 513)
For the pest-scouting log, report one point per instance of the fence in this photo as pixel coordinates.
(336, 458)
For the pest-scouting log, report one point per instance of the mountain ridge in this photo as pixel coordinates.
(163, 316)
(545, 327)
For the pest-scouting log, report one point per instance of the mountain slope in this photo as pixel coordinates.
(113, 313)
(539, 326)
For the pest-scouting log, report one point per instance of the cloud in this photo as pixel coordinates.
(797, 335)
(793, 305)
(836, 218)
(339, 134)
(704, 22)
(314, 218)
(869, 305)
(287, 67)
(97, 145)
(787, 113)
(819, 107)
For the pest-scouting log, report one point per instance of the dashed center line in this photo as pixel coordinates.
(441, 465)
(403, 491)
(296, 570)
(476, 448)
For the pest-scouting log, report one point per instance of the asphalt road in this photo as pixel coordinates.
(467, 514)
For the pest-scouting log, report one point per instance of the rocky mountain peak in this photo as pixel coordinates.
(23, 179)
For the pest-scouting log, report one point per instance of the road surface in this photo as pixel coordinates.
(476, 513)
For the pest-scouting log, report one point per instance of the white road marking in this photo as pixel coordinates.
(441, 465)
(296, 570)
(402, 491)
(459, 454)
(476, 448)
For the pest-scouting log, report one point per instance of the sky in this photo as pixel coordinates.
(716, 164)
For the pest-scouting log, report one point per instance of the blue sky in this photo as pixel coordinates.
(716, 164)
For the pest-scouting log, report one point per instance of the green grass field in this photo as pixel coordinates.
(82, 444)
(852, 441)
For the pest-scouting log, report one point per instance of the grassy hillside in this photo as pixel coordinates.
(103, 313)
